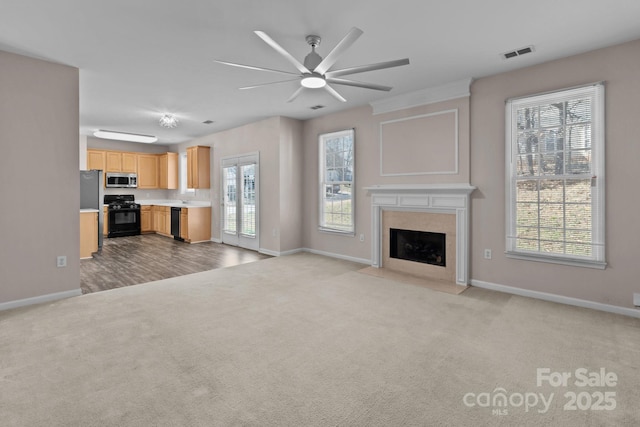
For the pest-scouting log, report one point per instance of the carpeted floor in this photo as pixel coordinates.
(305, 340)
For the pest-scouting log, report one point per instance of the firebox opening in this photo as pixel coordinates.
(418, 246)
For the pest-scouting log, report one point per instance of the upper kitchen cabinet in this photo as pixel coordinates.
(96, 159)
(118, 161)
(198, 167)
(168, 171)
(147, 171)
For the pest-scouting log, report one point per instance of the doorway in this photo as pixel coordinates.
(240, 208)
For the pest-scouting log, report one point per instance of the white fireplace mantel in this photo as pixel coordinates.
(428, 198)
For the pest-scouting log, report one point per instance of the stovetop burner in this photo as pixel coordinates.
(121, 201)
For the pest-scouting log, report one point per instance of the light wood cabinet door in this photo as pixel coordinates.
(96, 159)
(114, 161)
(145, 219)
(105, 221)
(198, 167)
(167, 221)
(147, 171)
(168, 171)
(88, 234)
(184, 224)
(129, 162)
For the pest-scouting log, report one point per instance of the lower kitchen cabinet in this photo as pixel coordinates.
(161, 220)
(105, 221)
(195, 224)
(145, 219)
(88, 234)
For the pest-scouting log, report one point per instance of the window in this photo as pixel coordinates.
(336, 182)
(555, 166)
(183, 176)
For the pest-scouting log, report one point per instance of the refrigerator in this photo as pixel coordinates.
(92, 196)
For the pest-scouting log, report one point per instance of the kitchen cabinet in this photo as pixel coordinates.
(198, 167)
(161, 219)
(168, 171)
(105, 221)
(121, 161)
(88, 234)
(145, 219)
(129, 162)
(147, 171)
(96, 159)
(114, 161)
(195, 224)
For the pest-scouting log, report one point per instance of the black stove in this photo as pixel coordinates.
(124, 215)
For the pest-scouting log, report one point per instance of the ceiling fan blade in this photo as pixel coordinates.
(335, 94)
(268, 40)
(370, 67)
(359, 84)
(252, 67)
(295, 94)
(267, 84)
(343, 45)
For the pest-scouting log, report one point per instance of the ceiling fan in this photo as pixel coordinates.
(314, 73)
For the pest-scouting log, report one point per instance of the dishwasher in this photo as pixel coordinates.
(175, 223)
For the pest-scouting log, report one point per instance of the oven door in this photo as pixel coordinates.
(124, 222)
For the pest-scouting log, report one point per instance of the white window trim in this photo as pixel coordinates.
(182, 158)
(598, 260)
(321, 158)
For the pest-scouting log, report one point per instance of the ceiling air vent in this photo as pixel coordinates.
(207, 122)
(317, 107)
(517, 52)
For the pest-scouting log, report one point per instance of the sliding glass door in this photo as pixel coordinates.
(240, 207)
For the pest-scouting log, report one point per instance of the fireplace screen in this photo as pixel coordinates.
(418, 246)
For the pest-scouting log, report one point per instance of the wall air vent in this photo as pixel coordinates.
(517, 52)
(207, 122)
(317, 107)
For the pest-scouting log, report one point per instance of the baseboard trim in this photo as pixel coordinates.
(216, 240)
(276, 253)
(339, 256)
(557, 298)
(39, 299)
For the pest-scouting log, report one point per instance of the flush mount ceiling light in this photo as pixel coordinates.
(123, 136)
(168, 121)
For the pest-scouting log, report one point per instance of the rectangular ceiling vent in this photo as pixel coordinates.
(517, 52)
(317, 107)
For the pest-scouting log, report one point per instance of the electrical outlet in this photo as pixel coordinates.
(275, 232)
(487, 254)
(61, 261)
(636, 299)
(362, 237)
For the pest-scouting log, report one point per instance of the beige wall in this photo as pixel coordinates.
(39, 181)
(367, 169)
(619, 66)
(276, 139)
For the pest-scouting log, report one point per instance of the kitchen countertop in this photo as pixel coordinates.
(175, 203)
(88, 210)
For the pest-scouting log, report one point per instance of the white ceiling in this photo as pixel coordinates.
(141, 58)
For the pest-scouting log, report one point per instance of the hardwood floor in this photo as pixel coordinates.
(131, 260)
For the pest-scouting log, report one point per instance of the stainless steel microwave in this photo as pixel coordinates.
(122, 180)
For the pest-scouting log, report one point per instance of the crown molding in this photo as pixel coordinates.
(453, 90)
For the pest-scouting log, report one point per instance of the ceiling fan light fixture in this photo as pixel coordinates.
(313, 81)
(168, 121)
(123, 136)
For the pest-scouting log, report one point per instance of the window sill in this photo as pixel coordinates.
(573, 262)
(337, 232)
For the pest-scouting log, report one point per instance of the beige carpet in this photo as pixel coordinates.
(305, 340)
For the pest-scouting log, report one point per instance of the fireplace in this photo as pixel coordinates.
(418, 246)
(440, 209)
